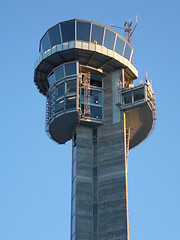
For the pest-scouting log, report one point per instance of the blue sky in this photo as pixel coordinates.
(35, 172)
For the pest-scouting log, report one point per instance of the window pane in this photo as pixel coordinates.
(59, 73)
(138, 94)
(52, 111)
(83, 31)
(51, 80)
(127, 52)
(109, 39)
(96, 97)
(74, 187)
(70, 68)
(54, 35)
(71, 86)
(119, 45)
(45, 42)
(96, 112)
(95, 172)
(60, 106)
(52, 96)
(73, 206)
(97, 34)
(96, 81)
(127, 97)
(60, 90)
(74, 170)
(74, 153)
(73, 225)
(71, 102)
(95, 209)
(68, 31)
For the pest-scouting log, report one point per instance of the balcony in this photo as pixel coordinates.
(139, 105)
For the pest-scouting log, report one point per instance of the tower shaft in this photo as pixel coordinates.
(101, 210)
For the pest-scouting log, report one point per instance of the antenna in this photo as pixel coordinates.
(128, 28)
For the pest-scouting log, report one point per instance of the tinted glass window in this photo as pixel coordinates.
(138, 94)
(74, 153)
(71, 86)
(95, 209)
(96, 112)
(74, 169)
(51, 80)
(119, 45)
(83, 31)
(73, 224)
(60, 90)
(96, 81)
(97, 34)
(70, 68)
(73, 206)
(68, 31)
(96, 97)
(45, 42)
(95, 172)
(127, 97)
(52, 96)
(127, 52)
(54, 35)
(59, 73)
(74, 187)
(109, 39)
(60, 106)
(71, 102)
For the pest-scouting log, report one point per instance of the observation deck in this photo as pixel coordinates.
(77, 58)
(139, 104)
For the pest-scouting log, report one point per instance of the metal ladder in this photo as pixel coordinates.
(87, 94)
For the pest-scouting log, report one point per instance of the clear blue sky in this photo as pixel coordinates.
(35, 172)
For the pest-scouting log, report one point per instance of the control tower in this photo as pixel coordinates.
(86, 73)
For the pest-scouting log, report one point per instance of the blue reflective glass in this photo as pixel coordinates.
(51, 79)
(73, 223)
(59, 73)
(71, 103)
(52, 96)
(95, 209)
(109, 39)
(71, 86)
(97, 34)
(70, 68)
(60, 90)
(68, 31)
(127, 52)
(45, 42)
(54, 35)
(119, 45)
(59, 106)
(83, 31)
(96, 112)
(74, 153)
(95, 172)
(96, 97)
(74, 187)
(74, 170)
(73, 205)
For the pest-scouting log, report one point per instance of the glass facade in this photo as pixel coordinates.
(62, 89)
(68, 93)
(86, 31)
(95, 97)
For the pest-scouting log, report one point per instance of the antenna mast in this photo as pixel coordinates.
(128, 29)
